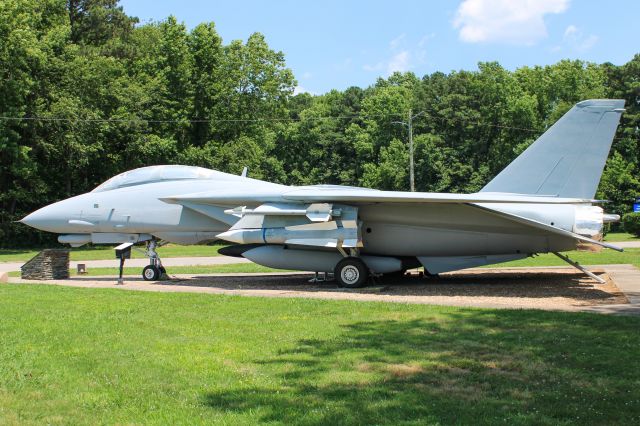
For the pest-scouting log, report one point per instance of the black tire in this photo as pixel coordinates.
(151, 273)
(351, 272)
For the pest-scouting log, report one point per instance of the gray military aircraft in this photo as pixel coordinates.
(542, 202)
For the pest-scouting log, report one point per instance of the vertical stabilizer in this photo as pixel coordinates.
(568, 159)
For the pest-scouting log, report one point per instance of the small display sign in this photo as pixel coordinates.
(636, 206)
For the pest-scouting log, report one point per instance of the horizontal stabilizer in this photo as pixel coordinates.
(547, 228)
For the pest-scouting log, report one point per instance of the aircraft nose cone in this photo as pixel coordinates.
(58, 217)
(44, 219)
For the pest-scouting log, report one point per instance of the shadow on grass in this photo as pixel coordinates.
(463, 366)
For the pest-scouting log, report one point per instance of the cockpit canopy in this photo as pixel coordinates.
(153, 174)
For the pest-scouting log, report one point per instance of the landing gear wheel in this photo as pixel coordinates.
(351, 272)
(151, 273)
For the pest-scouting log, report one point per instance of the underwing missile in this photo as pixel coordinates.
(327, 234)
(316, 212)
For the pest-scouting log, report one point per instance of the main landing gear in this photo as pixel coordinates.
(154, 270)
(351, 272)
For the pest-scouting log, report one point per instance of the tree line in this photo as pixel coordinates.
(86, 92)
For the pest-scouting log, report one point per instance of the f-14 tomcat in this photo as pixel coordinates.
(542, 202)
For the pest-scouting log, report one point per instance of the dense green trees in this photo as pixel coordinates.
(85, 93)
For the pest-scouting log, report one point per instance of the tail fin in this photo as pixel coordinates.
(568, 159)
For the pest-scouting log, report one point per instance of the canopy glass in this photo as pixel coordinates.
(152, 174)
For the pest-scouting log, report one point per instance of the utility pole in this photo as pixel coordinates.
(409, 124)
(412, 184)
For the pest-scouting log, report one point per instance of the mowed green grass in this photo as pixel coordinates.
(604, 257)
(91, 356)
(107, 252)
(620, 236)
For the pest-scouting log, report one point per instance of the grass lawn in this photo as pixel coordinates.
(106, 252)
(620, 236)
(87, 356)
(605, 257)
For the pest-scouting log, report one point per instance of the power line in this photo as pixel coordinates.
(209, 120)
(268, 119)
(251, 120)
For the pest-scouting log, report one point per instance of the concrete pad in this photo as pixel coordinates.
(625, 244)
(627, 278)
(4, 277)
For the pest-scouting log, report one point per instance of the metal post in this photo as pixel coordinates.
(411, 172)
(580, 267)
(409, 124)
(123, 251)
(120, 279)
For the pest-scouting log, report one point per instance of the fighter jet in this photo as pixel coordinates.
(542, 202)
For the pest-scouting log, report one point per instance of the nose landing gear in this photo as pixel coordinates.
(154, 270)
(151, 273)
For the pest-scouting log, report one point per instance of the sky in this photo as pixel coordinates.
(333, 44)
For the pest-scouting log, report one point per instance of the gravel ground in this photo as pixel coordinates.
(521, 288)
(540, 288)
